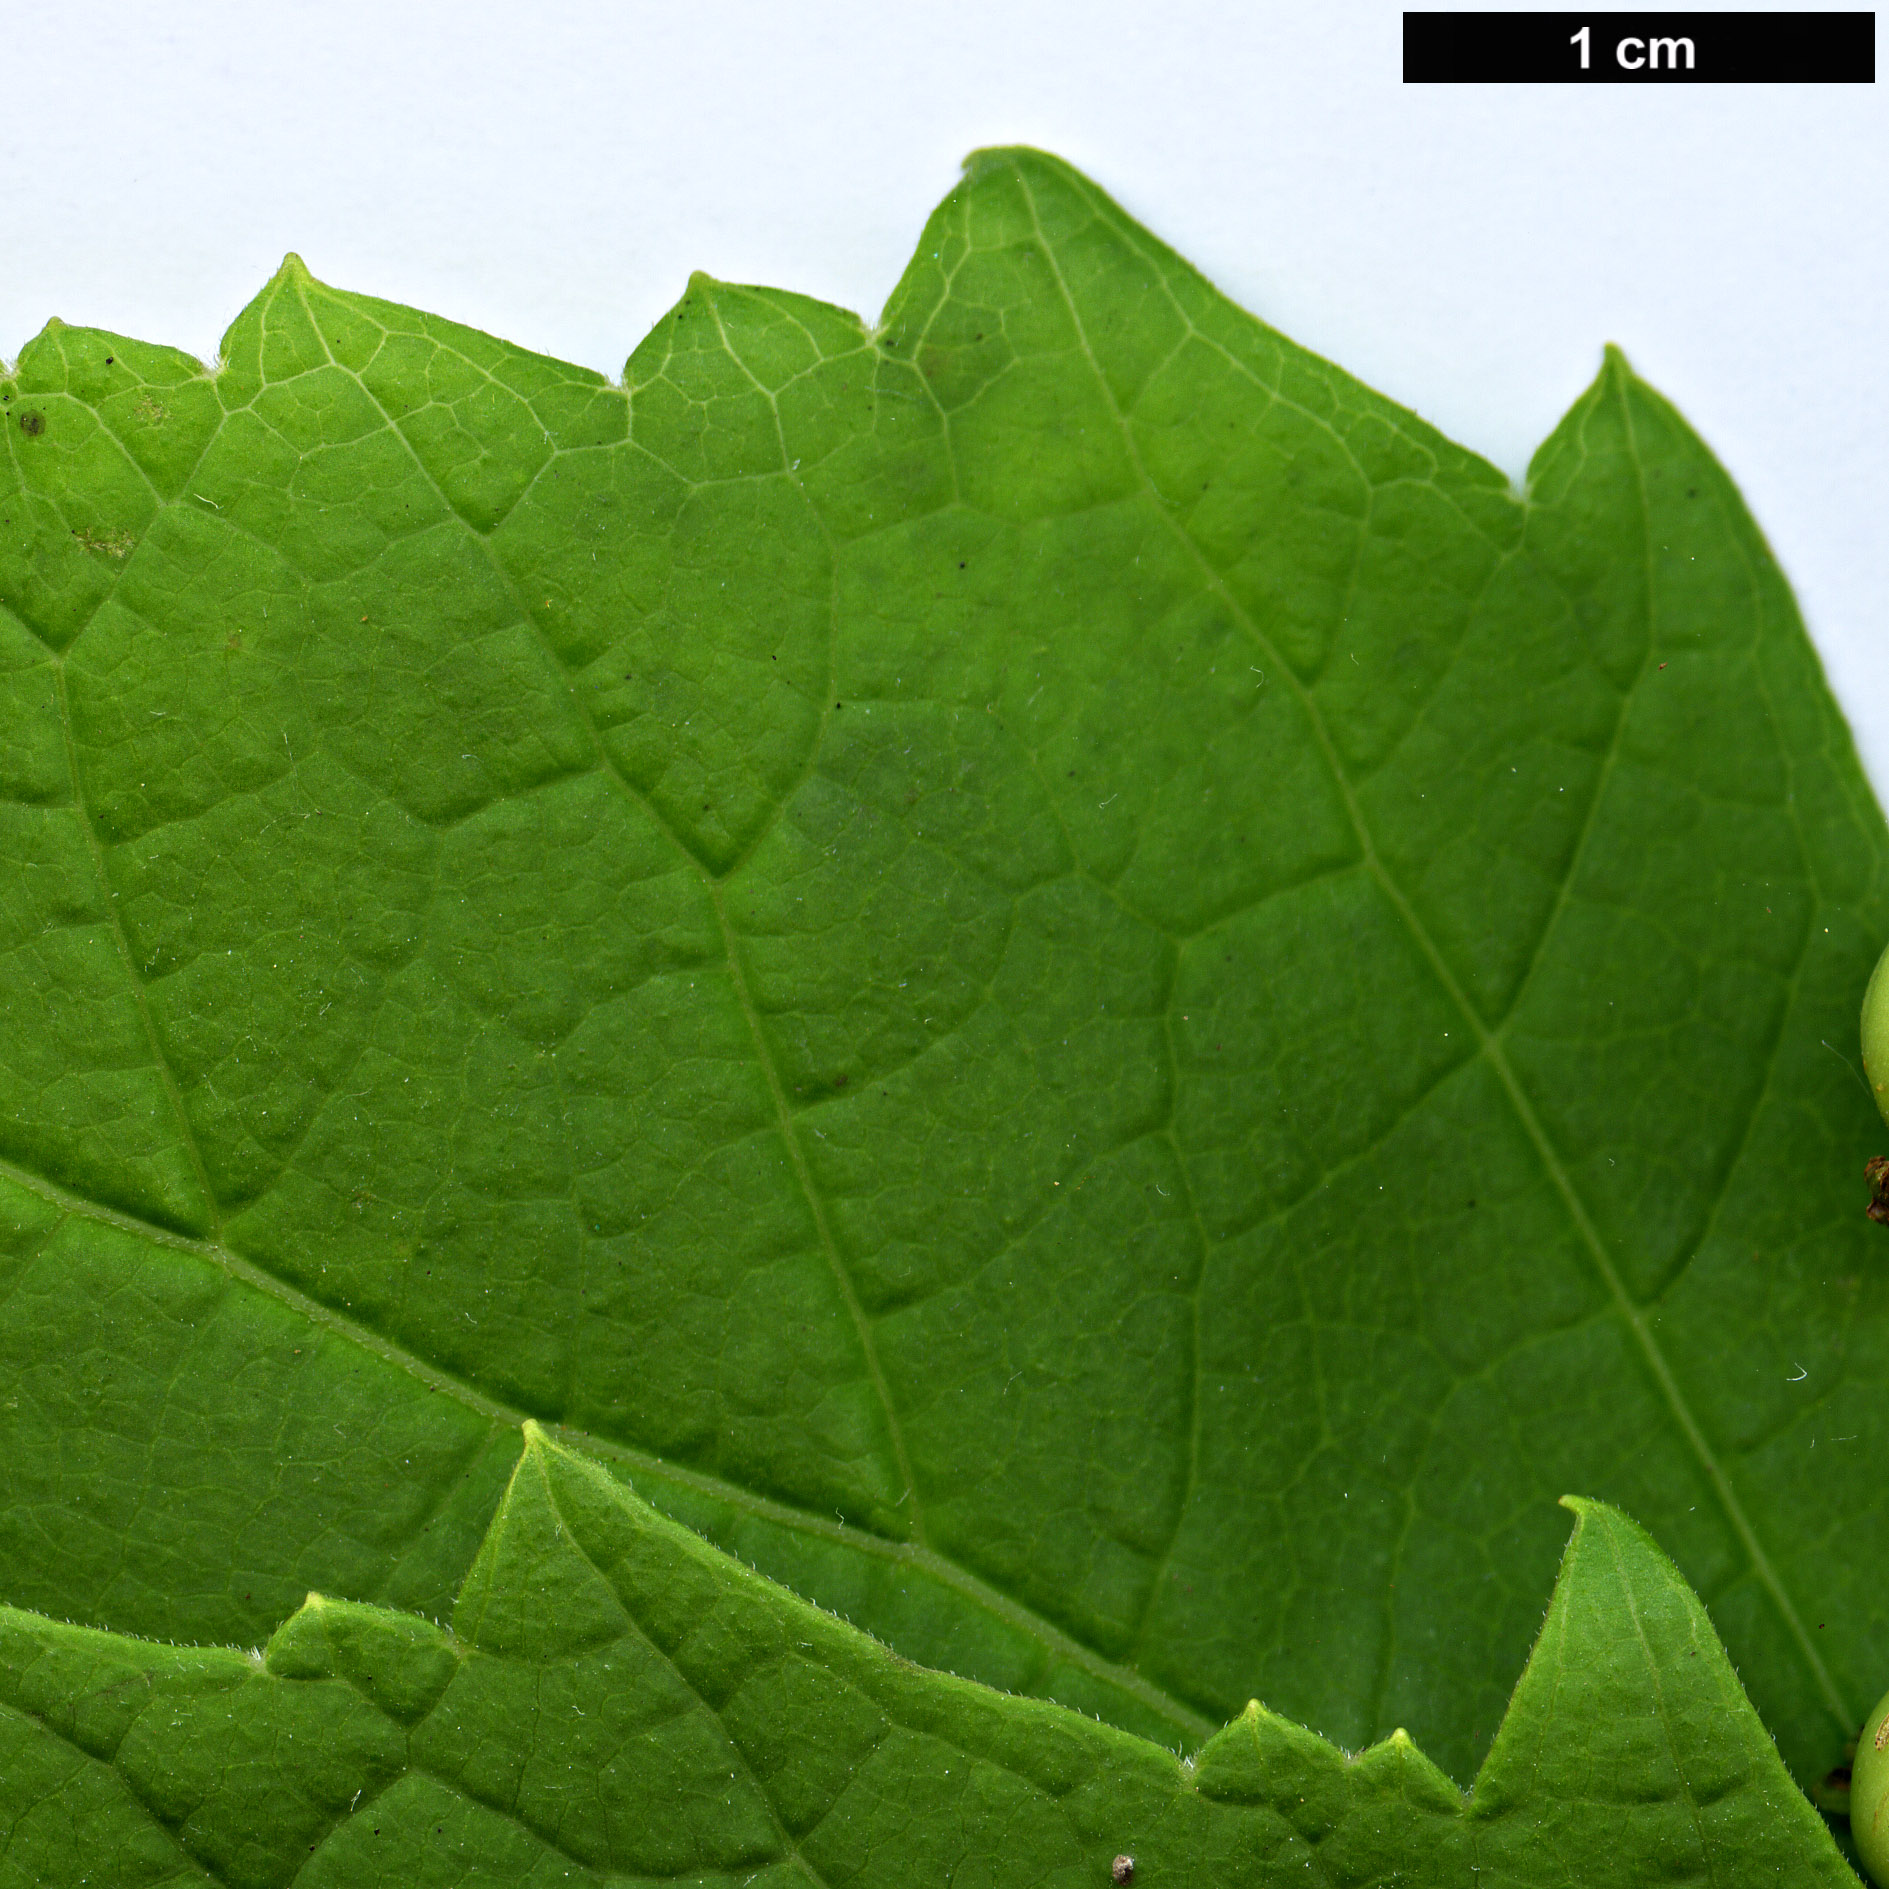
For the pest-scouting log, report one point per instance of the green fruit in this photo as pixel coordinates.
(1869, 1777)
(1876, 1033)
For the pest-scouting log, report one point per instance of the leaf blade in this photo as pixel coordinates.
(491, 1008)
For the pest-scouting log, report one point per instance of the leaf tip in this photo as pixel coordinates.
(1006, 157)
(983, 158)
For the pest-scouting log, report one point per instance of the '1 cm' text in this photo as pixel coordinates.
(1637, 55)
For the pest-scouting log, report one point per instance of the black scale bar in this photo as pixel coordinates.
(1640, 48)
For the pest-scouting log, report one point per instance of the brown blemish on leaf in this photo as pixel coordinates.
(149, 411)
(114, 544)
(32, 424)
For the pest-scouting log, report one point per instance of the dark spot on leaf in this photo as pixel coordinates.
(32, 424)
(839, 1082)
(1122, 1869)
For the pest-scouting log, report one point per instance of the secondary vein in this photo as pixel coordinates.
(1490, 1044)
(713, 885)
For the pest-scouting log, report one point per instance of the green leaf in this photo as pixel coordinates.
(1076, 987)
(617, 1696)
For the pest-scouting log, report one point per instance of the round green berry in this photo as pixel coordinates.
(1869, 1792)
(1876, 1033)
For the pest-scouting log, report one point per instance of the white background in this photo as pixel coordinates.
(553, 174)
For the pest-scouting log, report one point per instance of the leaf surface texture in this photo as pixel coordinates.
(1064, 979)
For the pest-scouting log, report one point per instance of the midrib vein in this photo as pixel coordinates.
(1490, 1044)
(906, 1554)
